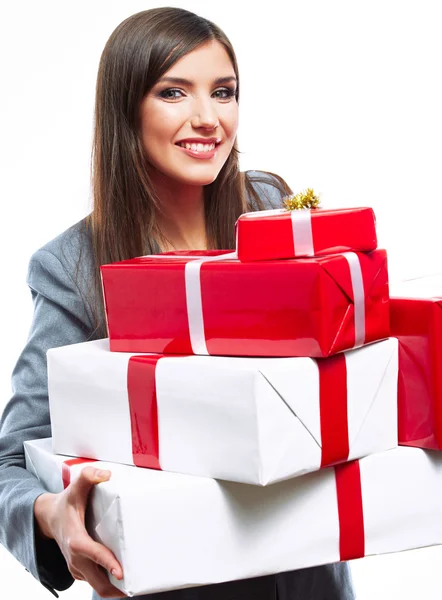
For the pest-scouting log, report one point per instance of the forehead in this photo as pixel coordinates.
(208, 61)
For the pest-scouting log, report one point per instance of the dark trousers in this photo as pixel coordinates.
(328, 582)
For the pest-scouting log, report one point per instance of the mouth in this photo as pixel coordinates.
(199, 147)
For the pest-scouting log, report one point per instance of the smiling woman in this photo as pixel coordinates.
(200, 116)
(165, 176)
(188, 134)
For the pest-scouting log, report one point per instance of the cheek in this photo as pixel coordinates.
(230, 118)
(159, 124)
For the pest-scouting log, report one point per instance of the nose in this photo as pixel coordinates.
(204, 114)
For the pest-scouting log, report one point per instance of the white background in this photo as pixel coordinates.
(341, 96)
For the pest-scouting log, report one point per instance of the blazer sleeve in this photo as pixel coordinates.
(59, 319)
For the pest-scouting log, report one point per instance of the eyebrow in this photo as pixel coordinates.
(181, 81)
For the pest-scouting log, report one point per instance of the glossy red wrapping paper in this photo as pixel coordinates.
(272, 234)
(417, 323)
(303, 307)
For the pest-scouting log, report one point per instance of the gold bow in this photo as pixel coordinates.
(307, 199)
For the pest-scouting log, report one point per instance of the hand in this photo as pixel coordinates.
(61, 517)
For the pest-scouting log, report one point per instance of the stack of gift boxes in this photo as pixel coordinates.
(247, 405)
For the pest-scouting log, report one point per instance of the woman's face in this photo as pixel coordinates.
(189, 119)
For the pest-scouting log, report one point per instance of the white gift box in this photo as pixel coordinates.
(252, 420)
(172, 531)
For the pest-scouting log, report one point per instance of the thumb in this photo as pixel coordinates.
(89, 476)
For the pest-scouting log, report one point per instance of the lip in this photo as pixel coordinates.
(199, 155)
(212, 140)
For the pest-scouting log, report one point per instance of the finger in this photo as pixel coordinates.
(85, 547)
(76, 573)
(79, 490)
(98, 579)
(89, 476)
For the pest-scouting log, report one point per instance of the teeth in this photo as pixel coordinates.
(198, 147)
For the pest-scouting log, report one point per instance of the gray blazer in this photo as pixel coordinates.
(58, 278)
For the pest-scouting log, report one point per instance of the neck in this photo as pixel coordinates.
(181, 220)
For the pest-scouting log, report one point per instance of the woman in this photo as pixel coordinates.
(165, 177)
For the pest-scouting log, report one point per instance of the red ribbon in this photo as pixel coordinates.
(333, 409)
(141, 386)
(66, 468)
(349, 498)
(350, 511)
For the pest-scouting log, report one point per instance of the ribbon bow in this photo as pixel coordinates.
(307, 199)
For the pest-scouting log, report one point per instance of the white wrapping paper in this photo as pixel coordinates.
(252, 420)
(173, 531)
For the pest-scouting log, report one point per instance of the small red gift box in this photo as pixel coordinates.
(211, 303)
(416, 320)
(274, 234)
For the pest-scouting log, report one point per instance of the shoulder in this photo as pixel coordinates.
(68, 251)
(62, 269)
(265, 190)
(68, 246)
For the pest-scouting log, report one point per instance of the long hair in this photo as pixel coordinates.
(123, 222)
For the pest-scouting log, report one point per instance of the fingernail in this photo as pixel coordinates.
(102, 473)
(114, 573)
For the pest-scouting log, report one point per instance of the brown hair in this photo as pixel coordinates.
(123, 221)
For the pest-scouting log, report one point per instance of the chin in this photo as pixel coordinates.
(203, 180)
(185, 174)
(203, 177)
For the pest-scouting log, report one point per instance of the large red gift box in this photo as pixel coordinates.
(279, 233)
(416, 320)
(211, 303)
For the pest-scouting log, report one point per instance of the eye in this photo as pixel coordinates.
(224, 93)
(171, 94)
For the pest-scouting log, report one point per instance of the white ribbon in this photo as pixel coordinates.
(192, 277)
(357, 284)
(302, 232)
(264, 213)
(194, 300)
(301, 228)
